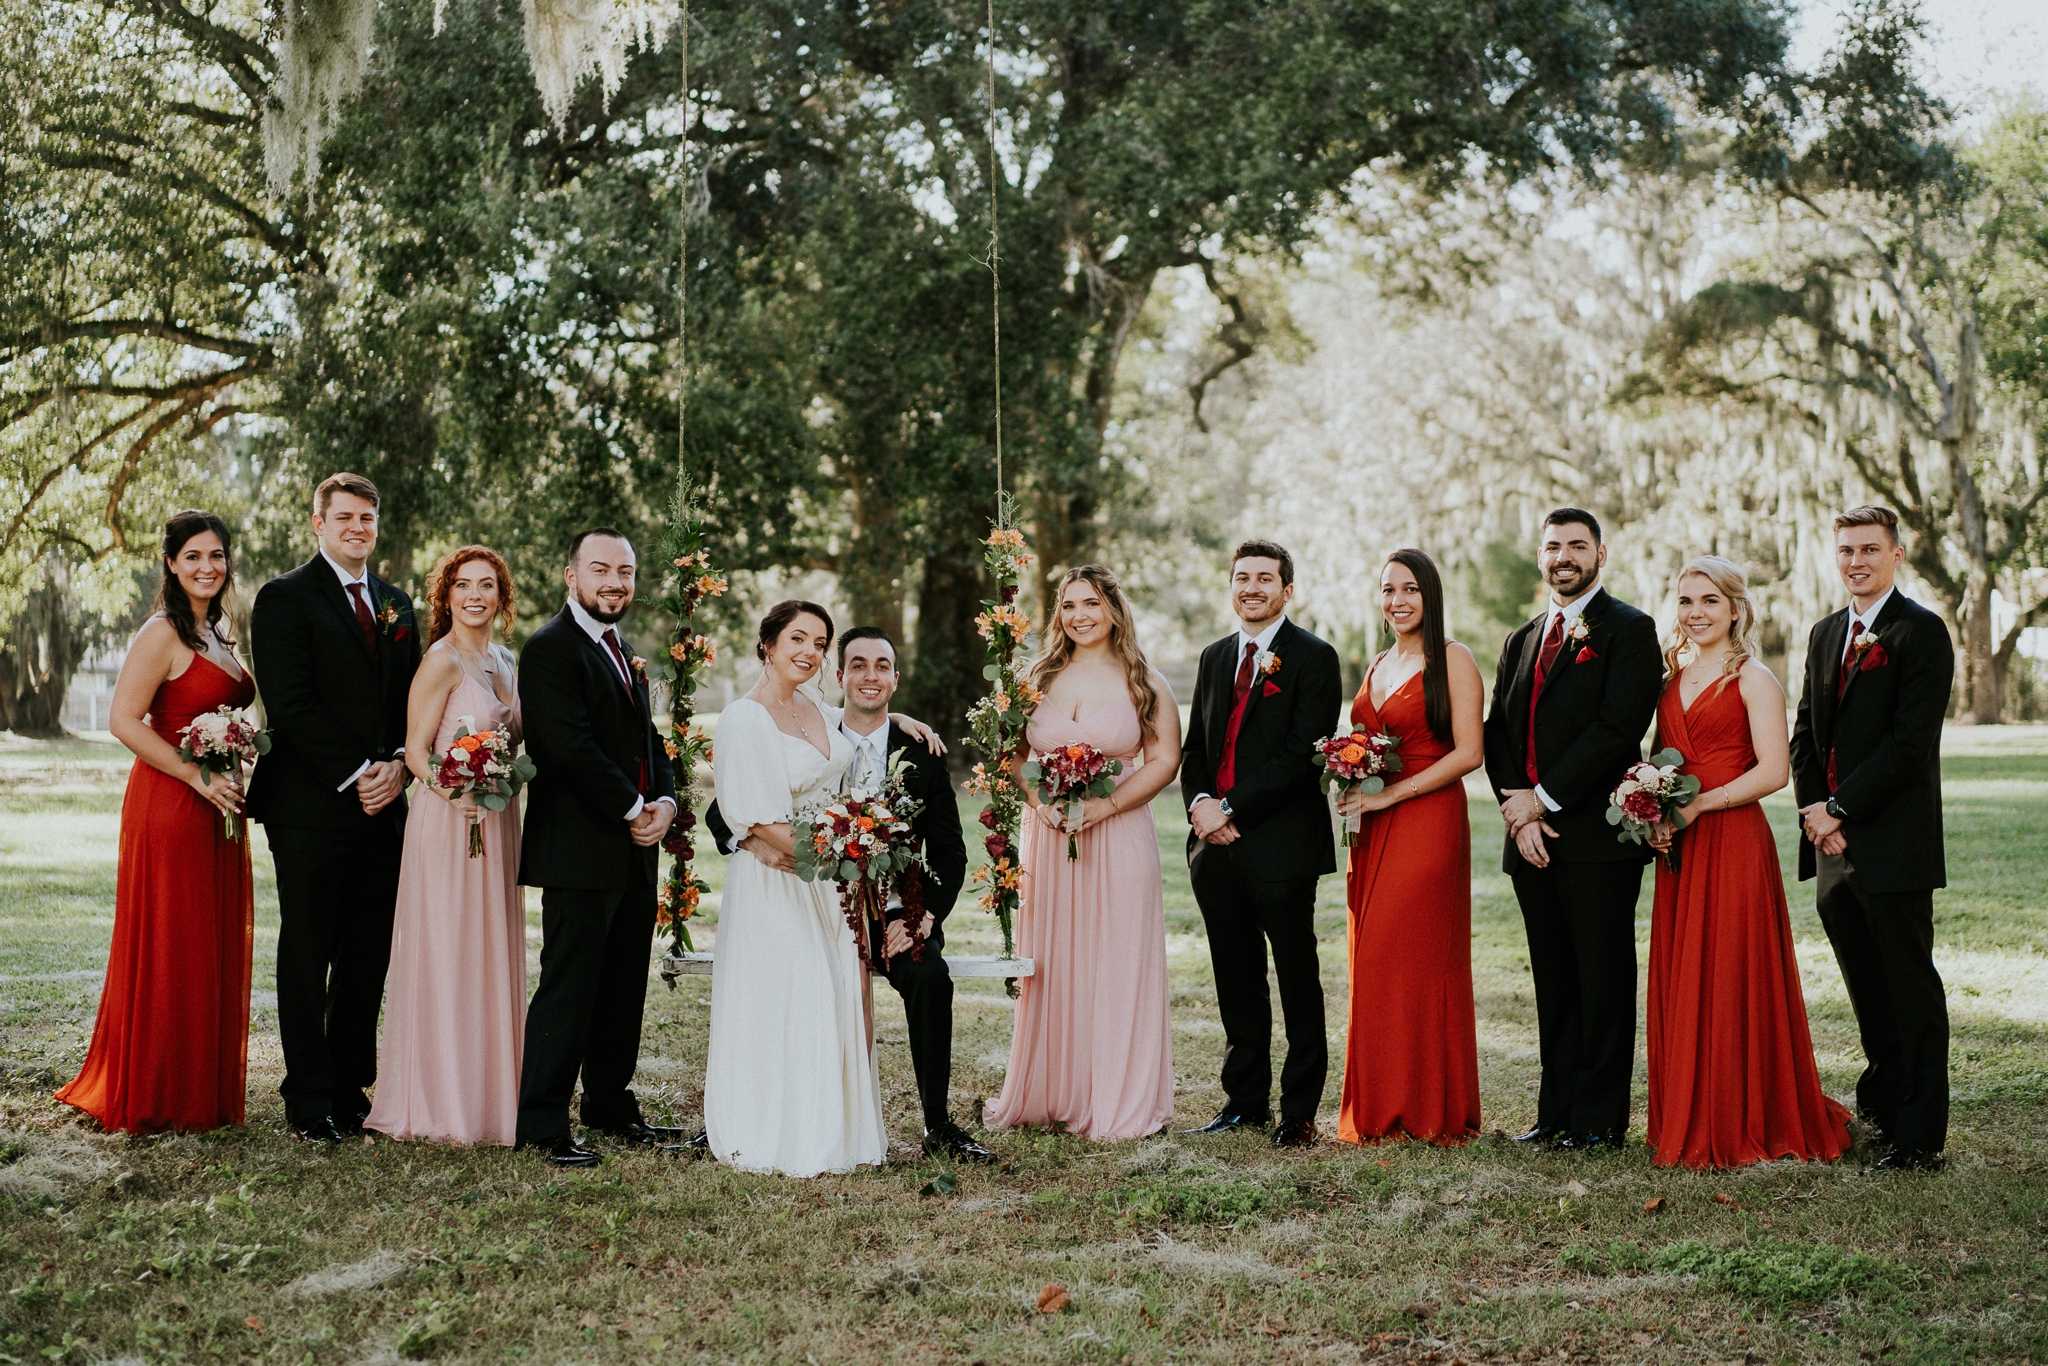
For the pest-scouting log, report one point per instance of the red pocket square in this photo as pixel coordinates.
(1873, 658)
(1272, 689)
(1585, 654)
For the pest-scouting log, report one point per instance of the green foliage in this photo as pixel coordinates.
(1766, 1269)
(1190, 1198)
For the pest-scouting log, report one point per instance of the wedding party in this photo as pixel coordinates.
(1092, 684)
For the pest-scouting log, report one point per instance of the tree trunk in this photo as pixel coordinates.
(1983, 674)
(43, 652)
(872, 572)
(945, 677)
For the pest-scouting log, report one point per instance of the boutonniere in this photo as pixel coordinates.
(1269, 666)
(639, 668)
(1579, 633)
(388, 618)
(1864, 640)
(1868, 651)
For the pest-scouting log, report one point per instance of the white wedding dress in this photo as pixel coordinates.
(791, 1084)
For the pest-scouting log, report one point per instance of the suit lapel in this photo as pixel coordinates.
(1568, 653)
(1885, 617)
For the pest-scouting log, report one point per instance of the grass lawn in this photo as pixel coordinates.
(245, 1244)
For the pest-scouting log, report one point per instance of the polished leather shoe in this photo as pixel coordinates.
(1230, 1121)
(566, 1152)
(1590, 1143)
(1910, 1160)
(699, 1142)
(947, 1139)
(646, 1135)
(321, 1131)
(1295, 1133)
(1542, 1136)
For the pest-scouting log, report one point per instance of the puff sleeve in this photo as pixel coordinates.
(751, 768)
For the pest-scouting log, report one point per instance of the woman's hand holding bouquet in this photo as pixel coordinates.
(480, 772)
(1356, 762)
(219, 743)
(1066, 777)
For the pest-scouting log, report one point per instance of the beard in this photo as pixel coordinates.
(1569, 578)
(597, 609)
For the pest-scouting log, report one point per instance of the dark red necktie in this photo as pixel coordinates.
(365, 622)
(1546, 656)
(611, 640)
(1244, 671)
(1226, 767)
(1847, 666)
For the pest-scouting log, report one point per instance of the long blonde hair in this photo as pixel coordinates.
(1729, 580)
(1058, 650)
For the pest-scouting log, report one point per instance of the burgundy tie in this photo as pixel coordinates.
(1553, 642)
(1244, 672)
(365, 623)
(1847, 666)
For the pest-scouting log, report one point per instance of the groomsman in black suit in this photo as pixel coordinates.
(1866, 763)
(601, 799)
(335, 650)
(1260, 835)
(1572, 698)
(868, 674)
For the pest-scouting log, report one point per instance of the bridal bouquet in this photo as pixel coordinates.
(1356, 761)
(868, 846)
(1068, 776)
(221, 741)
(1649, 793)
(480, 765)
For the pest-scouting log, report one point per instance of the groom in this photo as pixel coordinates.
(1866, 762)
(600, 801)
(1573, 695)
(1259, 838)
(335, 647)
(868, 674)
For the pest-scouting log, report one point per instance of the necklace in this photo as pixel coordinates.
(797, 720)
(482, 658)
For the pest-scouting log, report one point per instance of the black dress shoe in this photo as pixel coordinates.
(321, 1131)
(1542, 1136)
(1295, 1133)
(699, 1142)
(947, 1139)
(1591, 1143)
(1910, 1160)
(645, 1135)
(350, 1125)
(1230, 1121)
(565, 1152)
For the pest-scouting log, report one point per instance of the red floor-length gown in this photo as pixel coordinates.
(170, 1047)
(1411, 1054)
(1732, 1076)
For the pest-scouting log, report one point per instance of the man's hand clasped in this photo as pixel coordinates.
(1211, 825)
(380, 785)
(651, 824)
(1524, 813)
(1823, 830)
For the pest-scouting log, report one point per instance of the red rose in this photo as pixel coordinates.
(1585, 654)
(686, 818)
(1874, 658)
(677, 842)
(1272, 688)
(1641, 806)
(987, 817)
(998, 847)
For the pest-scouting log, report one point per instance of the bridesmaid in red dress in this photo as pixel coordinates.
(1411, 1054)
(1732, 1076)
(170, 1048)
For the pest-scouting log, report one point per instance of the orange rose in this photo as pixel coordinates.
(1351, 754)
(1077, 751)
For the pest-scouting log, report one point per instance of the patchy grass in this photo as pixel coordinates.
(245, 1245)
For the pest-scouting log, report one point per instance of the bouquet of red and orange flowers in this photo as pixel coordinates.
(1649, 793)
(480, 765)
(221, 741)
(1068, 776)
(1356, 761)
(866, 844)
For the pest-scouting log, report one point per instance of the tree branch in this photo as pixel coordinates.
(72, 461)
(15, 347)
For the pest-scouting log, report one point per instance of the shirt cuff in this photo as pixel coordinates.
(350, 781)
(1544, 797)
(1200, 797)
(732, 843)
(639, 803)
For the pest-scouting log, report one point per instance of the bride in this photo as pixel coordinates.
(791, 1084)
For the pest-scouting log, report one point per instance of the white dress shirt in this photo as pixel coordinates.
(1860, 621)
(1571, 612)
(361, 579)
(1239, 639)
(595, 629)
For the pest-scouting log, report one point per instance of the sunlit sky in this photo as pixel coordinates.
(1977, 48)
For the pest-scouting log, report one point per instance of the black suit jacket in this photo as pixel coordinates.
(1886, 738)
(937, 827)
(587, 737)
(1283, 820)
(1596, 706)
(328, 704)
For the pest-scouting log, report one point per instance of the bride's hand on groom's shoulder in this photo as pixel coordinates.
(920, 732)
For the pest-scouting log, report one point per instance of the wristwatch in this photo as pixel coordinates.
(1834, 808)
(1223, 805)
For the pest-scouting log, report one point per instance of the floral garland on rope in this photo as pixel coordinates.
(686, 582)
(998, 721)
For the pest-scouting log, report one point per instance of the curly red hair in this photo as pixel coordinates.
(441, 583)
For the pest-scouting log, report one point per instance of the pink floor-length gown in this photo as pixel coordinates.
(1093, 1047)
(455, 998)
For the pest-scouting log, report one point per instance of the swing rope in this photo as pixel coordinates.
(683, 273)
(995, 270)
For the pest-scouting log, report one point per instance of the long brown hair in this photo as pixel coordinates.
(1058, 650)
(441, 585)
(171, 598)
(1731, 583)
(1436, 667)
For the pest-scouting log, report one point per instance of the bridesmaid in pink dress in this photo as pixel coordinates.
(1093, 1048)
(455, 998)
